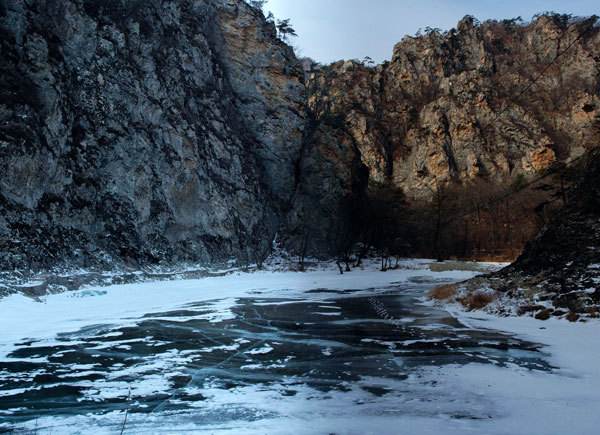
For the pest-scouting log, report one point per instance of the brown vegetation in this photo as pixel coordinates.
(481, 220)
(478, 220)
(477, 300)
(443, 292)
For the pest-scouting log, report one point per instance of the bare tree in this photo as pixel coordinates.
(258, 4)
(440, 195)
(303, 251)
(385, 223)
(368, 61)
(285, 30)
(347, 231)
(262, 252)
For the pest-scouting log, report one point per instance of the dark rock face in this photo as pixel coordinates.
(139, 131)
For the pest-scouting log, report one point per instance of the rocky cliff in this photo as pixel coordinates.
(134, 132)
(141, 132)
(449, 107)
(483, 106)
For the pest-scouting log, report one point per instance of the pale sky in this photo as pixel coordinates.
(330, 30)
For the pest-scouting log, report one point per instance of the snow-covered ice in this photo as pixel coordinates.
(22, 317)
(286, 352)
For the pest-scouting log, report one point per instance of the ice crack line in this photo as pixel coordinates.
(382, 312)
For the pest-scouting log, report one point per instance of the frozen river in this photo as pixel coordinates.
(303, 359)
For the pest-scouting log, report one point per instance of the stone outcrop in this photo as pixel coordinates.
(135, 132)
(459, 107)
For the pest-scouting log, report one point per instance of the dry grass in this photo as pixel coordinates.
(478, 300)
(457, 265)
(475, 300)
(443, 292)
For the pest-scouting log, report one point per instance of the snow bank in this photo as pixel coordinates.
(564, 401)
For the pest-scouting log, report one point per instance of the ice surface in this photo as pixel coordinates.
(285, 352)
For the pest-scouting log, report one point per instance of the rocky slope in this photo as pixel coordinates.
(559, 272)
(133, 132)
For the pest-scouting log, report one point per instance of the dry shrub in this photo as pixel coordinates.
(478, 300)
(443, 292)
